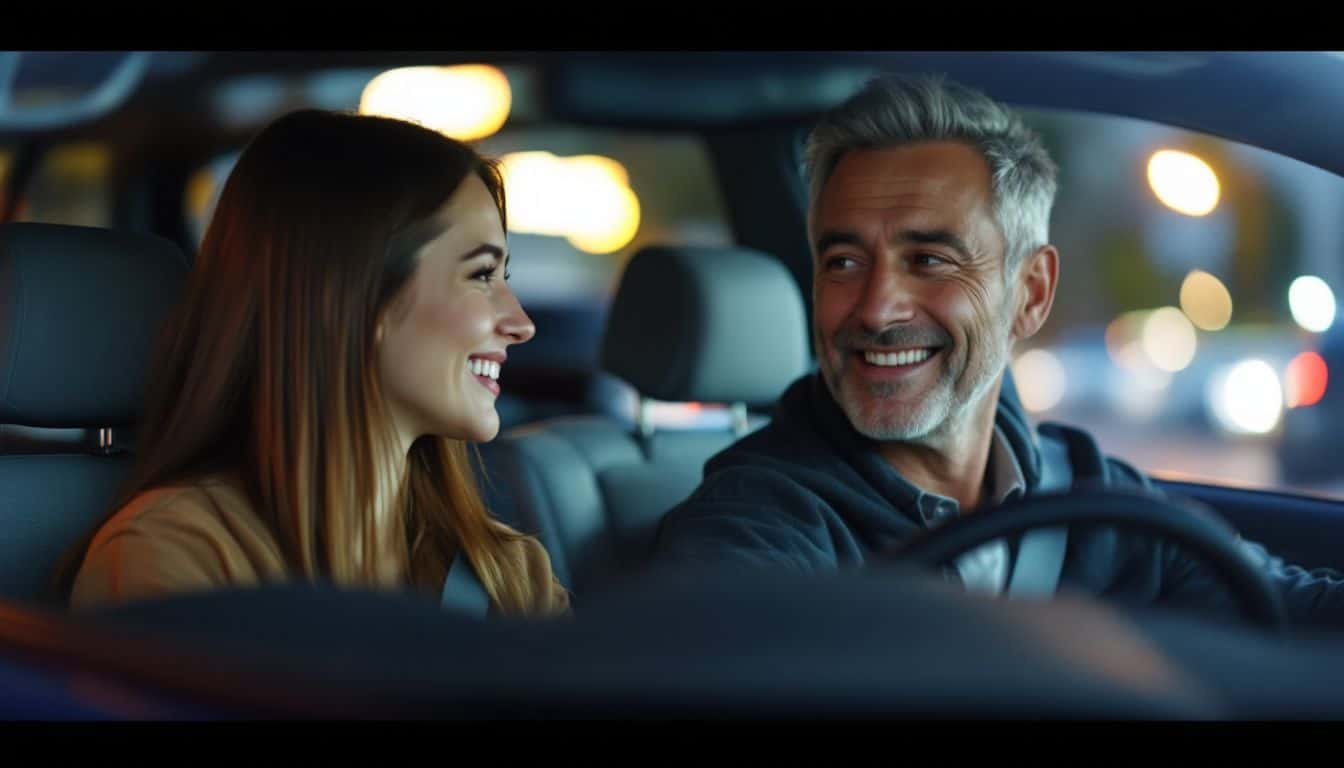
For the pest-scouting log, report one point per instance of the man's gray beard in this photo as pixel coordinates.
(939, 414)
(918, 421)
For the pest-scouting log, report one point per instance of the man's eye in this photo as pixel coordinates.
(930, 260)
(840, 263)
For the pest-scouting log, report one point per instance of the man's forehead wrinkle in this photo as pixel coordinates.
(877, 192)
(875, 183)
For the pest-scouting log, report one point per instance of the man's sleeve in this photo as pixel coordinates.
(750, 517)
(1309, 596)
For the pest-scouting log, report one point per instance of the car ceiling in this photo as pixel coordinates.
(1287, 102)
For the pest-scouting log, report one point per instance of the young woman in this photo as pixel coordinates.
(336, 351)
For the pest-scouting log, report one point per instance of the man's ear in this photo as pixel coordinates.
(1037, 279)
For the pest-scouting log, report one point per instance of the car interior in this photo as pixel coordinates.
(589, 460)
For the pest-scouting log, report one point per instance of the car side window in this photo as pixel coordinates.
(1193, 323)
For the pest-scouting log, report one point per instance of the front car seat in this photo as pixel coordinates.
(689, 324)
(80, 311)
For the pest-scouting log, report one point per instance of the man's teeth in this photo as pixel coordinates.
(907, 357)
(487, 368)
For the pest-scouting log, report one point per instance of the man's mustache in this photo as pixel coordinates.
(902, 336)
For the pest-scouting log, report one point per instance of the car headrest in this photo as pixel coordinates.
(721, 325)
(80, 311)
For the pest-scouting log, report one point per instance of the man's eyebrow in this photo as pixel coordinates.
(935, 237)
(832, 237)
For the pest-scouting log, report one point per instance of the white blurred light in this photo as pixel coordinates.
(466, 102)
(1247, 398)
(1183, 182)
(1041, 380)
(1139, 392)
(586, 199)
(1206, 301)
(1312, 303)
(1169, 339)
(534, 184)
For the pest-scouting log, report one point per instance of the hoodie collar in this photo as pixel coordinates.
(810, 399)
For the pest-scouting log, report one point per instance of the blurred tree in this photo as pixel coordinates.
(1266, 249)
(1130, 278)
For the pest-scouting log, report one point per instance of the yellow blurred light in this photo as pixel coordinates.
(465, 102)
(1041, 380)
(1122, 340)
(586, 199)
(602, 165)
(1206, 301)
(1169, 339)
(1183, 182)
(82, 161)
(1247, 398)
(1312, 303)
(1139, 392)
(606, 215)
(200, 192)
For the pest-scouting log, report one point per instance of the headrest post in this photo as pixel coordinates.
(644, 417)
(106, 440)
(740, 423)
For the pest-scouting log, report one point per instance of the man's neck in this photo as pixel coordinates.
(951, 462)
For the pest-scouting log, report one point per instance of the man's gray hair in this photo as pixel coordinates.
(894, 110)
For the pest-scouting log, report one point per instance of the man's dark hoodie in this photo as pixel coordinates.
(808, 492)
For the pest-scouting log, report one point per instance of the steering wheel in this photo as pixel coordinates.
(1206, 537)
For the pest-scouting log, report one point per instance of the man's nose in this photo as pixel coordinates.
(888, 298)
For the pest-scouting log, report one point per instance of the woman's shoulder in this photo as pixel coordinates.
(174, 537)
(195, 505)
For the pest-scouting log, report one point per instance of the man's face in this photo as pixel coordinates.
(913, 319)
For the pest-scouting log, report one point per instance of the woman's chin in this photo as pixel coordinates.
(481, 426)
(483, 431)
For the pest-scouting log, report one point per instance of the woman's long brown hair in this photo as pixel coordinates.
(267, 367)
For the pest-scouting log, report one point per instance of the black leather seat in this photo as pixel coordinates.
(709, 325)
(80, 310)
